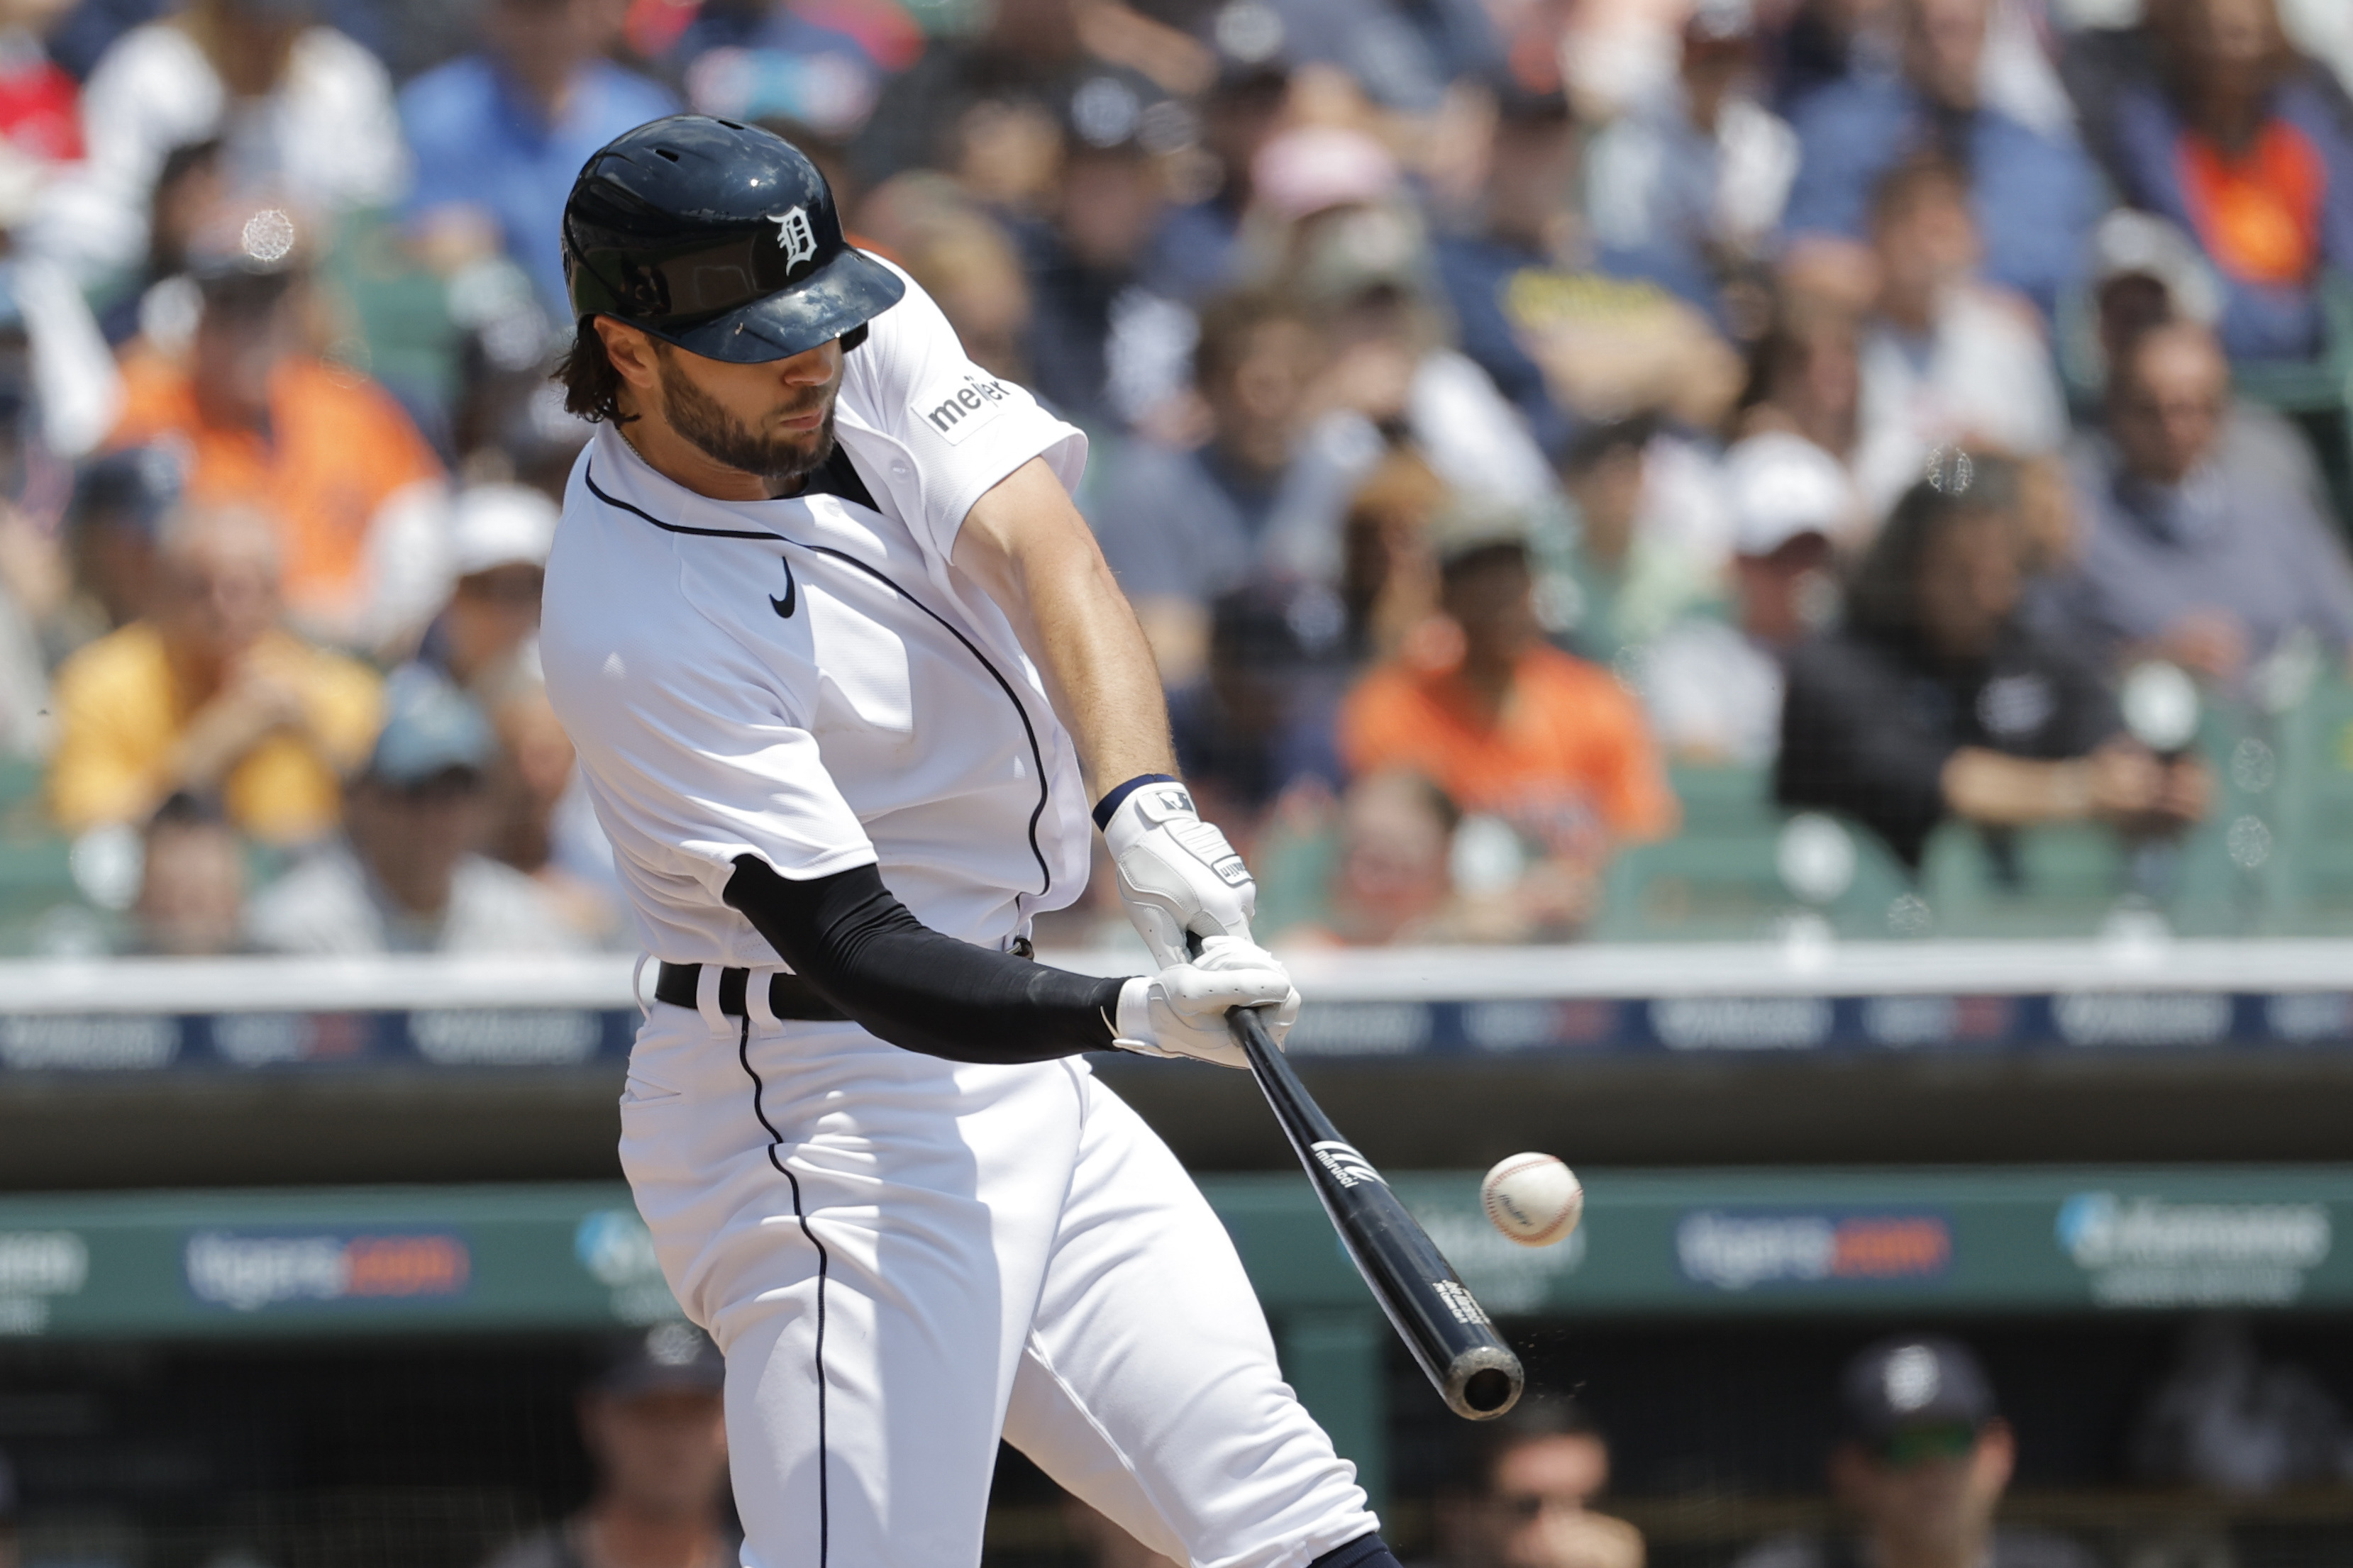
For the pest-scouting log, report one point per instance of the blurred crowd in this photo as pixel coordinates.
(1494, 404)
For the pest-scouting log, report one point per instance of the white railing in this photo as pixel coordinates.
(1801, 968)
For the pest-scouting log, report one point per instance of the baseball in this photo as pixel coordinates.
(1533, 1198)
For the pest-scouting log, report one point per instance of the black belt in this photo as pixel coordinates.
(789, 996)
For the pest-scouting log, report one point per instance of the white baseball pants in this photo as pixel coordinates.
(903, 1257)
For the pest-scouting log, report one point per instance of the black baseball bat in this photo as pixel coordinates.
(1440, 1321)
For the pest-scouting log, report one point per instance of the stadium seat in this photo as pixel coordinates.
(2310, 883)
(1722, 876)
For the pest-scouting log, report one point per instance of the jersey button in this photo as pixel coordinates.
(900, 468)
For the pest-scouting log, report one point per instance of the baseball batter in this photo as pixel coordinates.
(849, 678)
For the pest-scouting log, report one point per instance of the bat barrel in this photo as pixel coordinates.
(1482, 1383)
(1440, 1322)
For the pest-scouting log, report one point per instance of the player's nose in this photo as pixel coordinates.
(812, 368)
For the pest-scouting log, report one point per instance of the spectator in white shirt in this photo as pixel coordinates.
(303, 113)
(1713, 687)
(1945, 359)
(405, 876)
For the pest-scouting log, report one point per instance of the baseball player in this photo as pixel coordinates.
(847, 678)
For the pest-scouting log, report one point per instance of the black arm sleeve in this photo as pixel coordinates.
(862, 951)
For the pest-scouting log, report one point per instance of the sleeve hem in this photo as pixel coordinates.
(1065, 451)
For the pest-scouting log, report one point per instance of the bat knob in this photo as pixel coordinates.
(1484, 1382)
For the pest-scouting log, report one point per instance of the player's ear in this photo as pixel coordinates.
(630, 350)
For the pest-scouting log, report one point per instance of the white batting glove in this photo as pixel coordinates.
(1178, 875)
(1181, 1010)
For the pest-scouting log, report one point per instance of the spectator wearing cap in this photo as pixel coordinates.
(406, 876)
(2033, 195)
(120, 505)
(657, 1434)
(500, 535)
(1198, 254)
(1805, 379)
(1104, 350)
(1335, 228)
(485, 642)
(2194, 548)
(304, 113)
(1505, 725)
(1920, 1468)
(269, 425)
(2236, 142)
(499, 134)
(1713, 687)
(208, 694)
(1688, 185)
(1944, 359)
(1937, 698)
(1532, 1478)
(2149, 273)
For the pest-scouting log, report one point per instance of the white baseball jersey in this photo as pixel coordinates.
(811, 681)
(902, 1256)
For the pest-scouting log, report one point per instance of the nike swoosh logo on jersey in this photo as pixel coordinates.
(784, 606)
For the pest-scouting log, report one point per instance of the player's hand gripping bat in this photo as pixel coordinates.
(1448, 1331)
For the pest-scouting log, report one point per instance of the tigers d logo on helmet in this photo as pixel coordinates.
(794, 233)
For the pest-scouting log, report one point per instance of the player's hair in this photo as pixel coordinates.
(591, 386)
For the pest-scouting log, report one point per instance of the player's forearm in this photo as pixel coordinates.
(1028, 547)
(915, 987)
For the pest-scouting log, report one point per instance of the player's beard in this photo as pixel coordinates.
(721, 437)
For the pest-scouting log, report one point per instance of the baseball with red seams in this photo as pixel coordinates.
(1533, 1198)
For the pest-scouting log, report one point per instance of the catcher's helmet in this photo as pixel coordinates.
(720, 238)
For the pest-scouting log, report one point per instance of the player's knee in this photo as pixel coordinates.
(1364, 1552)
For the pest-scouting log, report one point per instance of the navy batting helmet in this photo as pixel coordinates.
(720, 238)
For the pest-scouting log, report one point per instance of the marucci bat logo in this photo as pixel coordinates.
(1460, 1302)
(1347, 1166)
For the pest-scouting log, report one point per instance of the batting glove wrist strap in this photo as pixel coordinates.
(1118, 795)
(1178, 875)
(1181, 1010)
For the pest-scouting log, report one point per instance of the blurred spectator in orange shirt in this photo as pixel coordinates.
(270, 425)
(1506, 725)
(211, 696)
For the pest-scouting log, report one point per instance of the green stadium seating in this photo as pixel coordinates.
(1721, 877)
(2309, 884)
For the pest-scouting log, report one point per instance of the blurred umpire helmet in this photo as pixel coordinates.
(720, 238)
